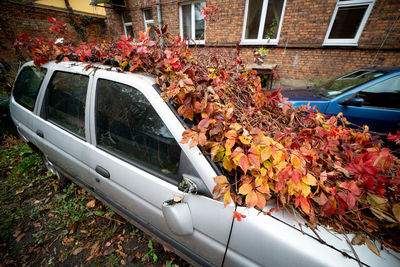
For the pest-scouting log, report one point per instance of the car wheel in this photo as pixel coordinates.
(63, 181)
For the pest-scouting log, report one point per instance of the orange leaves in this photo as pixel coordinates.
(245, 189)
(243, 162)
(251, 199)
(222, 188)
(221, 179)
(254, 161)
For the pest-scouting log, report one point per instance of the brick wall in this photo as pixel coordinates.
(300, 53)
(15, 18)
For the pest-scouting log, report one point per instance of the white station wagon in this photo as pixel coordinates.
(113, 134)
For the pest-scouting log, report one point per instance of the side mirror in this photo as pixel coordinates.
(178, 216)
(193, 185)
(186, 185)
(354, 101)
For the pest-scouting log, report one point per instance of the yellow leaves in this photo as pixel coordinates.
(227, 198)
(228, 164)
(301, 187)
(266, 153)
(309, 179)
(217, 153)
(124, 64)
(244, 139)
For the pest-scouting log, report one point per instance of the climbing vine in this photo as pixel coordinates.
(329, 173)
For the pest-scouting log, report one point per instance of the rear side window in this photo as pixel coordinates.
(385, 94)
(27, 86)
(66, 101)
(128, 126)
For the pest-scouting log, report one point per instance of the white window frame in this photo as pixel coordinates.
(125, 25)
(352, 41)
(260, 40)
(193, 22)
(148, 21)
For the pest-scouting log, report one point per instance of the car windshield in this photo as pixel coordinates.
(345, 83)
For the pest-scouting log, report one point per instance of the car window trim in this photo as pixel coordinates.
(44, 112)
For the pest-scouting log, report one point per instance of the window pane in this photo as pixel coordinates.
(148, 14)
(199, 21)
(187, 21)
(128, 125)
(272, 19)
(347, 22)
(129, 30)
(27, 86)
(253, 19)
(66, 101)
(384, 94)
(152, 32)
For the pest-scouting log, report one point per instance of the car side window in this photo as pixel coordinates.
(66, 101)
(385, 94)
(27, 86)
(127, 125)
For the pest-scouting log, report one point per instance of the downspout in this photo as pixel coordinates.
(159, 18)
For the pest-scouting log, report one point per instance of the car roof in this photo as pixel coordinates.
(150, 78)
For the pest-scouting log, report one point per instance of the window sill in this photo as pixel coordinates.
(339, 44)
(258, 42)
(196, 42)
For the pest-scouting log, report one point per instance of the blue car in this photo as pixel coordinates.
(368, 96)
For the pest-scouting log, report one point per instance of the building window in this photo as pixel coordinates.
(149, 21)
(262, 21)
(192, 23)
(128, 30)
(348, 21)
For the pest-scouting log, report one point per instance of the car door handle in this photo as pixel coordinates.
(103, 172)
(39, 133)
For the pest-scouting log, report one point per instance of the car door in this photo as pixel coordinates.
(62, 121)
(136, 163)
(376, 105)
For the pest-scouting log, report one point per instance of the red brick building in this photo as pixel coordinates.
(306, 39)
(31, 17)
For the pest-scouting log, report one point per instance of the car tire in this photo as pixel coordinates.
(63, 181)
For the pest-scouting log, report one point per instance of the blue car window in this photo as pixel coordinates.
(345, 83)
(385, 94)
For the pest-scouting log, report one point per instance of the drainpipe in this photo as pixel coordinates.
(159, 18)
